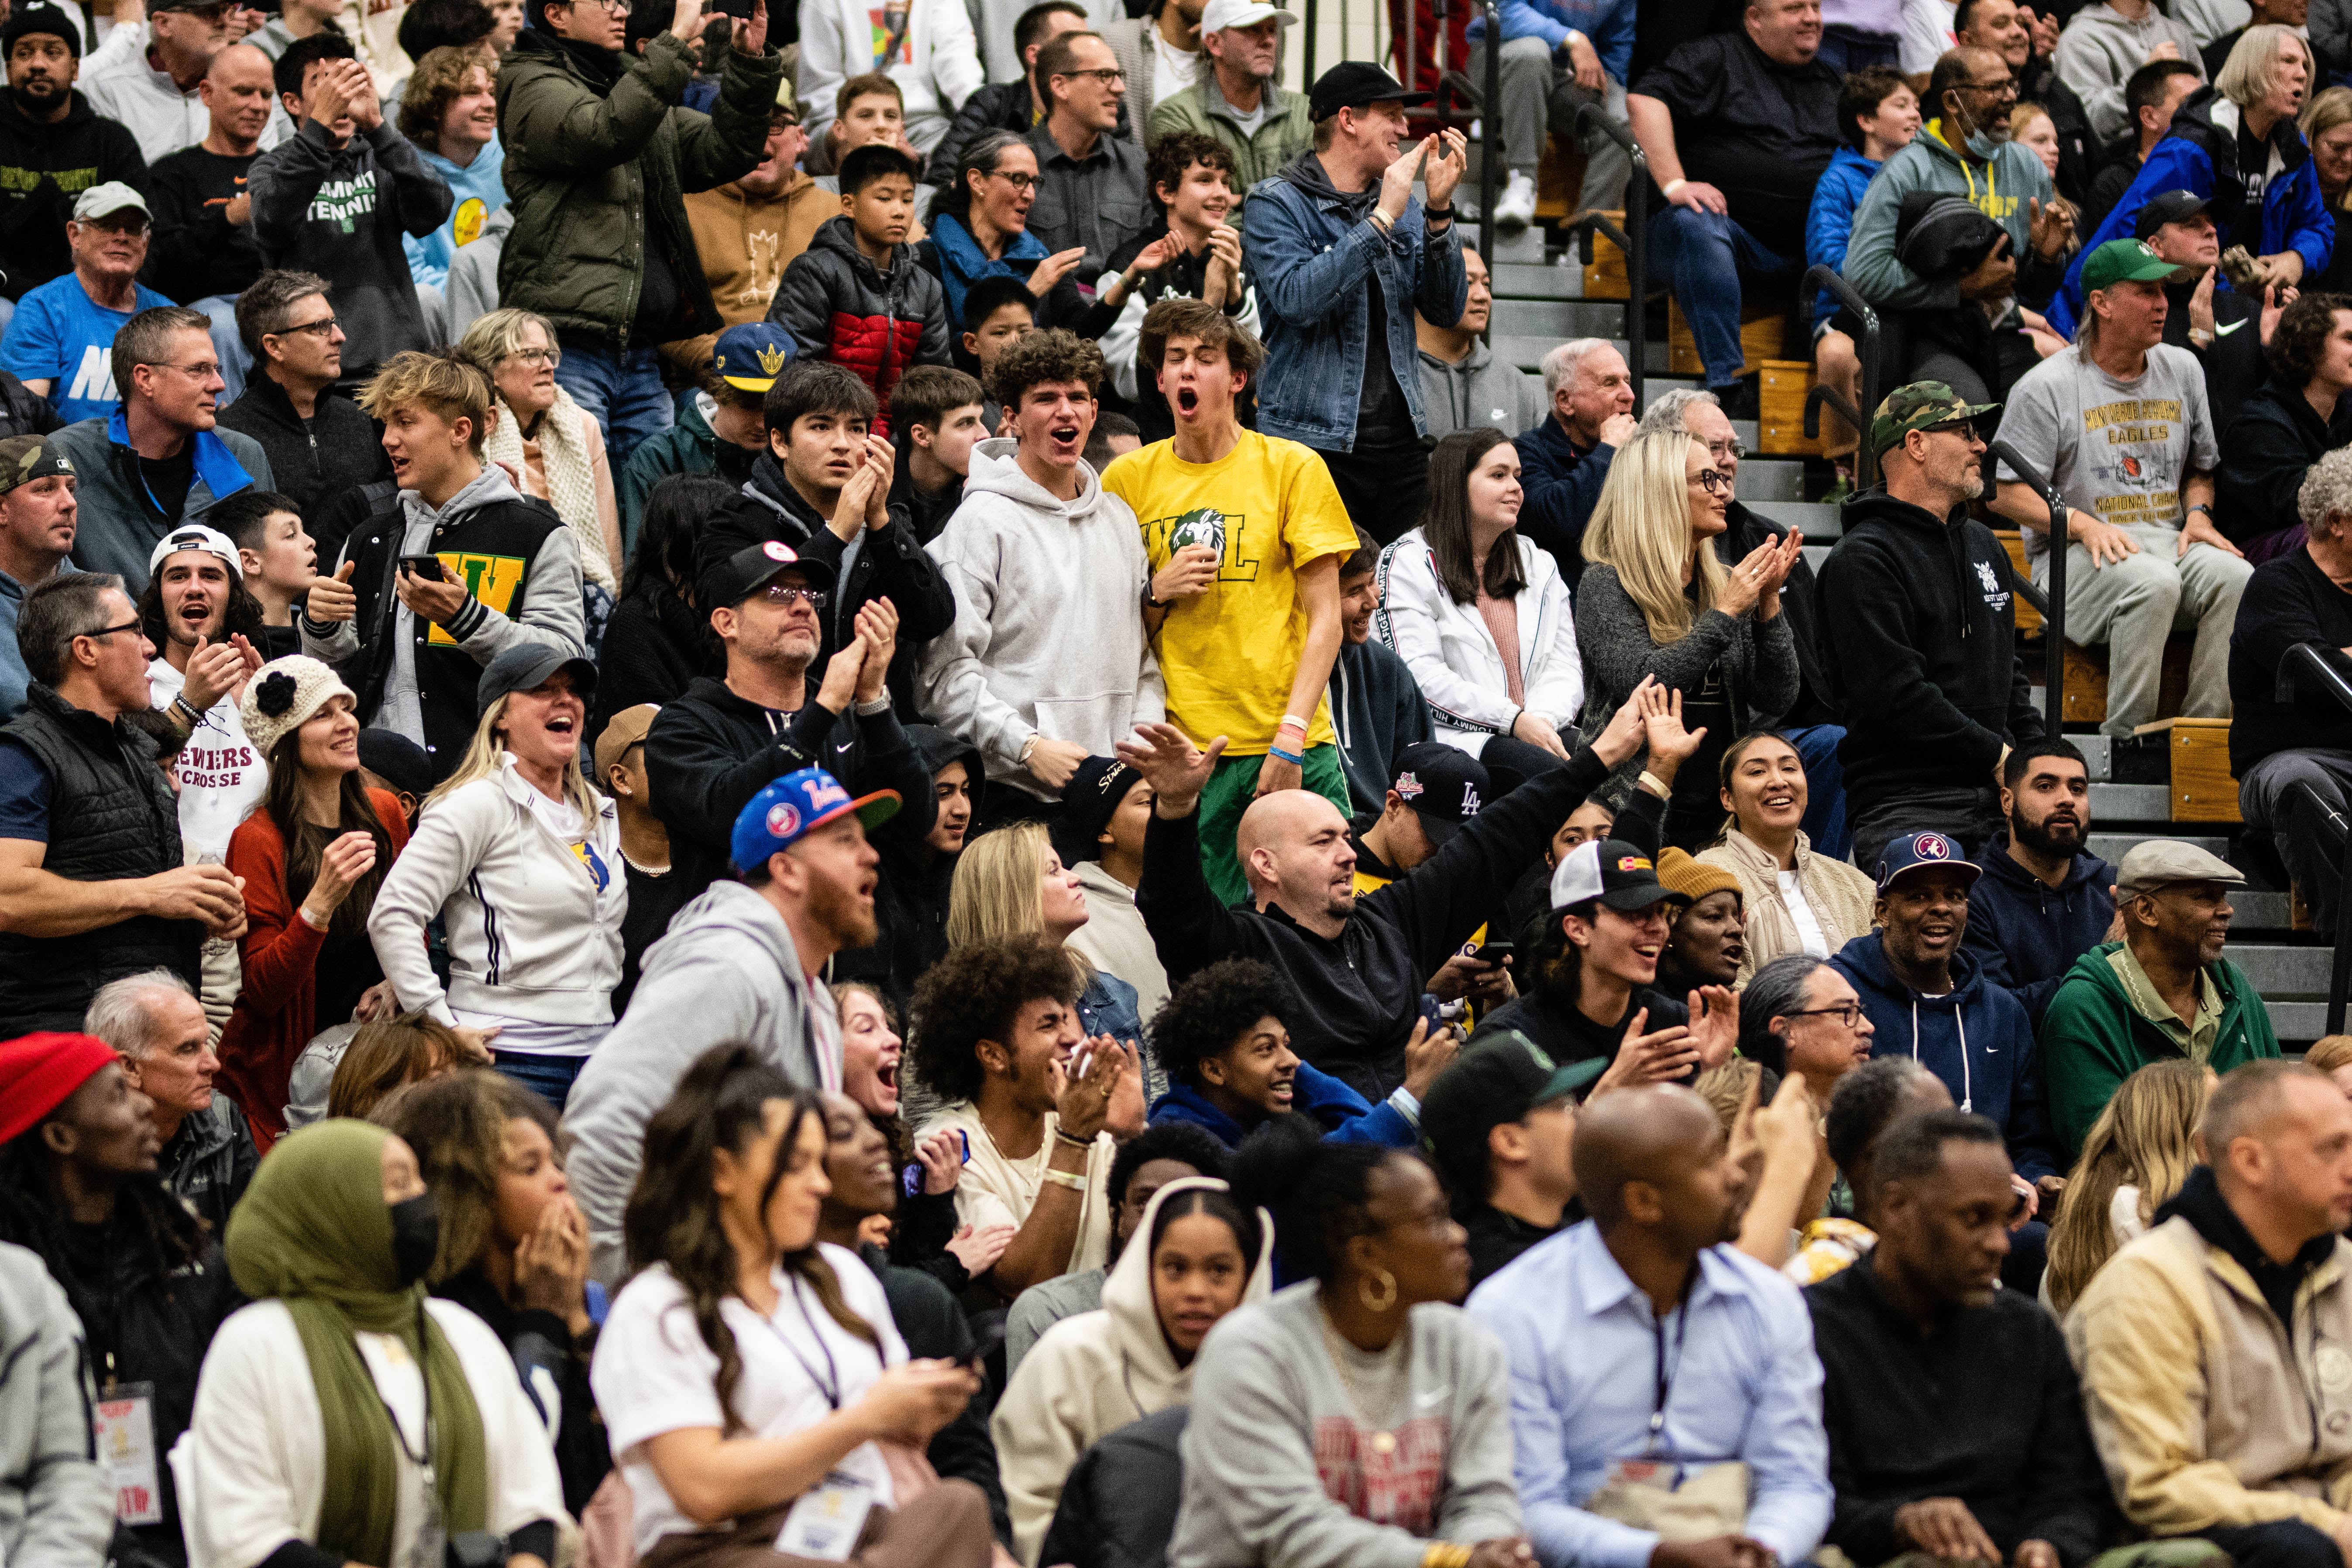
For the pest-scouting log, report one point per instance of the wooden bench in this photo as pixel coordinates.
(2086, 664)
(1763, 336)
(2198, 752)
(1781, 389)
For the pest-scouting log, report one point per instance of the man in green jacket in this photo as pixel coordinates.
(1236, 101)
(2163, 992)
(600, 156)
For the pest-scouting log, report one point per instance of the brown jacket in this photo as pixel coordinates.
(746, 242)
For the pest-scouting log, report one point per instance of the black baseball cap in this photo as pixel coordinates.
(1499, 1079)
(528, 666)
(1351, 84)
(1446, 786)
(2164, 207)
(1613, 871)
(743, 574)
(1089, 801)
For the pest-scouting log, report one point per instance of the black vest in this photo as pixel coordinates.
(111, 818)
(492, 549)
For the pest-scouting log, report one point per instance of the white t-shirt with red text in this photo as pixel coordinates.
(221, 776)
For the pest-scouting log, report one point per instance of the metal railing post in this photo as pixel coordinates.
(1865, 461)
(1633, 239)
(1490, 121)
(2314, 666)
(2053, 694)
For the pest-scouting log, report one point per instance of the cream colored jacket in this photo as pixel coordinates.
(1840, 898)
(2204, 1416)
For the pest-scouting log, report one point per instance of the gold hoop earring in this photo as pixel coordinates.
(1388, 1296)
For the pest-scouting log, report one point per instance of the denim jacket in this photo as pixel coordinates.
(1311, 248)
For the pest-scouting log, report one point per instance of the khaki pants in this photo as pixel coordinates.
(2133, 604)
(947, 1527)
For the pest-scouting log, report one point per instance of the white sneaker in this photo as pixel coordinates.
(1516, 208)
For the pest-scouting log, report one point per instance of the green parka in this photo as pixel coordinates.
(590, 159)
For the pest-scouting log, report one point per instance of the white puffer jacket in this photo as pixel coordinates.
(1453, 655)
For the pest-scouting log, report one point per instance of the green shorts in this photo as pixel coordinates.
(1229, 790)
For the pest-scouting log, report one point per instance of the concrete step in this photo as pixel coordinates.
(1761, 481)
(1527, 246)
(2297, 1023)
(1816, 555)
(2259, 911)
(1817, 519)
(1657, 386)
(2279, 971)
(2114, 803)
(1537, 280)
(2097, 759)
(2112, 846)
(1527, 353)
(1561, 319)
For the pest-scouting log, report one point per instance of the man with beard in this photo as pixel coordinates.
(52, 145)
(743, 962)
(2046, 900)
(200, 618)
(2163, 991)
(1584, 1317)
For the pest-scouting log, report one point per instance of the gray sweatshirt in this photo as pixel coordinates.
(2100, 49)
(1479, 389)
(1274, 1433)
(726, 972)
(57, 1503)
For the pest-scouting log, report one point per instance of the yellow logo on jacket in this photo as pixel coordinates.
(492, 579)
(466, 223)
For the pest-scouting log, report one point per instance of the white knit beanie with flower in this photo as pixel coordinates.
(283, 696)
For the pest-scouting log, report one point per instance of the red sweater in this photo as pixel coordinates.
(275, 1015)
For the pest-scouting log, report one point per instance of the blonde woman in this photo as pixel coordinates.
(2327, 125)
(2137, 1155)
(523, 861)
(554, 445)
(1656, 602)
(1796, 900)
(2333, 1056)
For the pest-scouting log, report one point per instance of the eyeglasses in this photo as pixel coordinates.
(324, 328)
(1711, 480)
(1846, 1013)
(110, 631)
(136, 228)
(550, 358)
(784, 594)
(1018, 182)
(2005, 87)
(207, 371)
(1721, 450)
(1107, 75)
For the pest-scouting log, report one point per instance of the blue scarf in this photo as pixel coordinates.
(963, 263)
(217, 468)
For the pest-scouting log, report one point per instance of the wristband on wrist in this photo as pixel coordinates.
(1072, 1138)
(1654, 785)
(1028, 747)
(1671, 187)
(869, 710)
(1070, 1179)
(1296, 759)
(1292, 722)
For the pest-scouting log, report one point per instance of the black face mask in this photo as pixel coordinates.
(416, 1238)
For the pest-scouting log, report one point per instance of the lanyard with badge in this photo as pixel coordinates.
(827, 1519)
(1658, 1465)
(123, 1426)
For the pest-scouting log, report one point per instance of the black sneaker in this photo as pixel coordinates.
(1738, 398)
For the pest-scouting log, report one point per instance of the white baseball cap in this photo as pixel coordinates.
(111, 196)
(196, 536)
(1222, 14)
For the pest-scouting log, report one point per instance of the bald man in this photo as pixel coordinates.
(1639, 1335)
(1358, 965)
(2213, 1347)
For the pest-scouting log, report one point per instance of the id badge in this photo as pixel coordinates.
(1663, 1475)
(124, 1429)
(827, 1519)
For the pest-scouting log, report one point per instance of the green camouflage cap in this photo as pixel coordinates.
(1922, 406)
(24, 459)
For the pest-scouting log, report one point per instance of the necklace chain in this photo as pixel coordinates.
(1384, 1439)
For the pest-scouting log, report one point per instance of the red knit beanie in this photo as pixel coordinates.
(39, 1072)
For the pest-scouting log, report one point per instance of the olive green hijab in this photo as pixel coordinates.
(314, 1232)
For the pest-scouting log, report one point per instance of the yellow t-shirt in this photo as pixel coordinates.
(1229, 655)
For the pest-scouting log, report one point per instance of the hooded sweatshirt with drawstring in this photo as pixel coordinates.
(1975, 1037)
(1094, 1372)
(1083, 673)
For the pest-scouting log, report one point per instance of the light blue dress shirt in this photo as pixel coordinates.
(1743, 1383)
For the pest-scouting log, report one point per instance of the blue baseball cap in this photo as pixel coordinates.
(796, 805)
(1906, 852)
(749, 358)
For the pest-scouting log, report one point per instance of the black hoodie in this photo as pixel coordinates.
(2025, 934)
(2200, 1202)
(1920, 636)
(42, 168)
(910, 901)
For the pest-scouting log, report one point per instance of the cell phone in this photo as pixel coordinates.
(986, 1343)
(425, 566)
(1494, 953)
(734, 8)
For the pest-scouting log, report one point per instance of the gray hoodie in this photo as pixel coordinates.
(2100, 49)
(1048, 636)
(57, 1503)
(725, 973)
(1479, 389)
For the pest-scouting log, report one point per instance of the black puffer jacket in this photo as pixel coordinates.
(838, 306)
(22, 413)
(210, 1161)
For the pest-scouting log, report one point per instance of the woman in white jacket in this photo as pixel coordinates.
(523, 861)
(1481, 615)
(1200, 1255)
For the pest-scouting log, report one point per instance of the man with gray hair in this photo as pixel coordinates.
(157, 461)
(159, 1029)
(1564, 459)
(2211, 1349)
(2294, 599)
(318, 443)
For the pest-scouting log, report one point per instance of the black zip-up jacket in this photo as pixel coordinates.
(336, 452)
(711, 751)
(43, 168)
(910, 898)
(891, 565)
(1919, 624)
(542, 1343)
(210, 1161)
(22, 414)
(1745, 532)
(1987, 1409)
(2025, 935)
(2265, 452)
(1359, 993)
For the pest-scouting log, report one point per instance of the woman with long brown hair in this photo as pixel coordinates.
(748, 1372)
(313, 859)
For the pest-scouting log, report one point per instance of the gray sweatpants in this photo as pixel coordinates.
(2133, 604)
(2272, 804)
(1540, 100)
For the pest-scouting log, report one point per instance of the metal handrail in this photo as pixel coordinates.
(1823, 393)
(1490, 121)
(1865, 461)
(2053, 605)
(2338, 833)
(1633, 239)
(2314, 666)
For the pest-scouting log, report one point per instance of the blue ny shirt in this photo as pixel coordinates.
(60, 335)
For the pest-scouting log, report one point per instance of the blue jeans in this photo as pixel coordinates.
(1849, 49)
(623, 392)
(1824, 821)
(549, 1077)
(220, 309)
(1704, 255)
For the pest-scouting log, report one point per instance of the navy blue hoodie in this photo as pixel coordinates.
(1346, 1116)
(1975, 1037)
(2024, 935)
